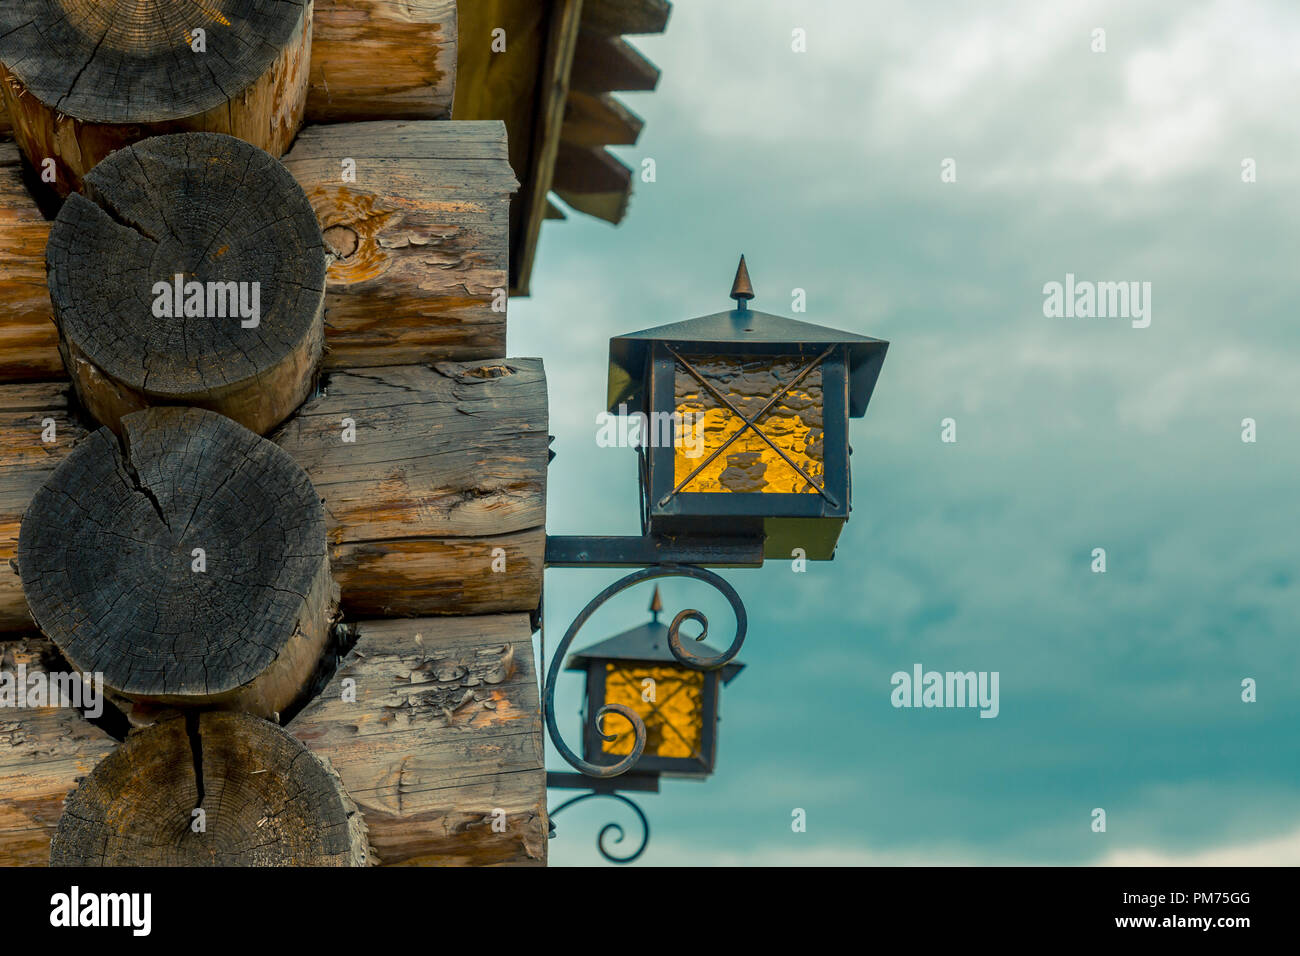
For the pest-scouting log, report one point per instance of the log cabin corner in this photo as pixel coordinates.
(422, 160)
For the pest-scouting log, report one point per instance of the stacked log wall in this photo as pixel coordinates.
(426, 445)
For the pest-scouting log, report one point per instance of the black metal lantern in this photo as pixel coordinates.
(744, 454)
(745, 424)
(678, 705)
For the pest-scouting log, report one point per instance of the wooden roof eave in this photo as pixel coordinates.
(561, 153)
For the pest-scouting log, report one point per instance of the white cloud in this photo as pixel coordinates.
(1282, 850)
(1014, 93)
(1074, 433)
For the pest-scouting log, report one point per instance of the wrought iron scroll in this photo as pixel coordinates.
(687, 658)
(615, 828)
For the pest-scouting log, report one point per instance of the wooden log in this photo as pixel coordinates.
(28, 339)
(212, 297)
(438, 505)
(44, 752)
(382, 59)
(435, 728)
(265, 801)
(448, 466)
(417, 217)
(419, 242)
(38, 427)
(81, 78)
(185, 563)
(376, 59)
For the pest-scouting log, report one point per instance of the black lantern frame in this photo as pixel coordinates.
(646, 647)
(607, 779)
(683, 533)
(686, 658)
(643, 369)
(783, 519)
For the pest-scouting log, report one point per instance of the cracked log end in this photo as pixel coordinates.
(186, 563)
(191, 272)
(266, 801)
(81, 78)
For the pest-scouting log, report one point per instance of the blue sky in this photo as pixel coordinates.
(1119, 690)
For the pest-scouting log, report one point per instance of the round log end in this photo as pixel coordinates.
(186, 563)
(210, 789)
(192, 271)
(133, 62)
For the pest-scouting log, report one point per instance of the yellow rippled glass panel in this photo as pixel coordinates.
(674, 719)
(749, 464)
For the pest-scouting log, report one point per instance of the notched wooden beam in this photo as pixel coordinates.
(593, 181)
(599, 120)
(611, 17)
(435, 500)
(603, 64)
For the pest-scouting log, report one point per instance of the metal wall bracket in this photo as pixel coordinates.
(578, 551)
(645, 782)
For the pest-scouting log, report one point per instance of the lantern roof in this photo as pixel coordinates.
(647, 643)
(739, 327)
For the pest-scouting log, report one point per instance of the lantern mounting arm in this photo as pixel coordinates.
(685, 657)
(632, 551)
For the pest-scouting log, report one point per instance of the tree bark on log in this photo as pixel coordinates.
(186, 564)
(417, 217)
(419, 241)
(265, 801)
(44, 752)
(82, 78)
(38, 428)
(437, 504)
(435, 727)
(28, 341)
(211, 298)
(382, 59)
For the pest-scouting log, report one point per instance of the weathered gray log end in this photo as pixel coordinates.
(81, 78)
(213, 789)
(185, 562)
(192, 271)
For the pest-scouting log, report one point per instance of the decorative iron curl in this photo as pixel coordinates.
(612, 827)
(680, 653)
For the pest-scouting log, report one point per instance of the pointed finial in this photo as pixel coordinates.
(656, 606)
(742, 289)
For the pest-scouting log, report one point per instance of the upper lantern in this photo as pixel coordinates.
(746, 423)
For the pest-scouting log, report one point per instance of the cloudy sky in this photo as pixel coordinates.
(1120, 690)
